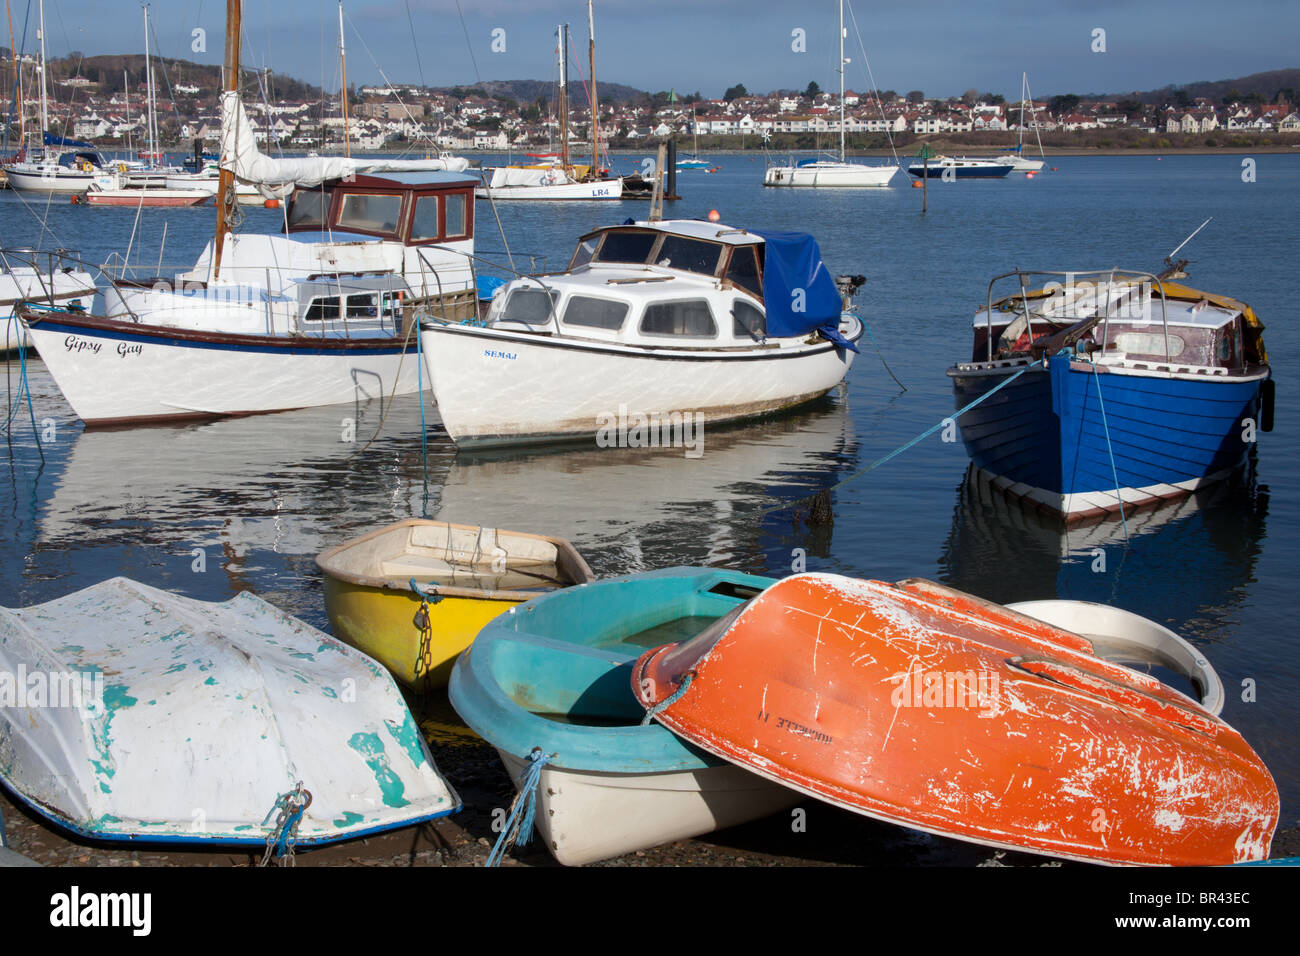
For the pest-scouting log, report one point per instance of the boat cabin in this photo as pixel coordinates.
(412, 208)
(670, 284)
(1129, 320)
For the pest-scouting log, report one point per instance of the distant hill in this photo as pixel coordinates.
(1265, 84)
(528, 91)
(107, 72)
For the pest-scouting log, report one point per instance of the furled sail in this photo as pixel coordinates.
(276, 178)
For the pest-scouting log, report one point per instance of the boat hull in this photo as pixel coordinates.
(554, 675)
(607, 189)
(120, 372)
(545, 389)
(830, 175)
(179, 720)
(919, 705)
(1044, 437)
(64, 184)
(147, 197)
(941, 171)
(587, 816)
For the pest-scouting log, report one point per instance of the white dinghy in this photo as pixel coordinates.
(129, 713)
(655, 329)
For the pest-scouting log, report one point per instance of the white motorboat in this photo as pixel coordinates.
(179, 720)
(656, 327)
(320, 315)
(823, 172)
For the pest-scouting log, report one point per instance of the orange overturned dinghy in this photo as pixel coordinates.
(924, 706)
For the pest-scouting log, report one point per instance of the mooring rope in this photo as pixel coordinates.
(915, 441)
(518, 827)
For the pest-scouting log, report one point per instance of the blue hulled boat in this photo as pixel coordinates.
(1113, 389)
(554, 676)
(961, 167)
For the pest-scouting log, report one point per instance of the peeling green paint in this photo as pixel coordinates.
(348, 819)
(390, 784)
(329, 692)
(302, 655)
(211, 681)
(408, 735)
(175, 669)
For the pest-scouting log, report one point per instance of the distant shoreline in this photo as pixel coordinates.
(990, 151)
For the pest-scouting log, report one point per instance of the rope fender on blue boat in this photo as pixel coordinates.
(518, 828)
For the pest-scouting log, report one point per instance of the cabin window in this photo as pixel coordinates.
(689, 255)
(424, 225)
(1149, 343)
(582, 255)
(326, 308)
(743, 270)
(627, 246)
(309, 208)
(748, 322)
(456, 227)
(530, 306)
(370, 212)
(689, 318)
(595, 313)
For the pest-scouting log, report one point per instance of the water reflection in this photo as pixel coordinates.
(1188, 563)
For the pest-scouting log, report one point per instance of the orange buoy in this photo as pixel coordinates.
(713, 215)
(1030, 175)
(271, 204)
(917, 184)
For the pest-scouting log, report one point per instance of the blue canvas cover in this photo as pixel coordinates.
(798, 290)
(52, 140)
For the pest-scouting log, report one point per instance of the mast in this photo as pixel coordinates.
(564, 94)
(148, 87)
(126, 93)
(226, 181)
(18, 83)
(842, 62)
(45, 119)
(343, 64)
(595, 103)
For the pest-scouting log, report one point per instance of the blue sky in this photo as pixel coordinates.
(942, 48)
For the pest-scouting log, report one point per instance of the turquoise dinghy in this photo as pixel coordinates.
(555, 673)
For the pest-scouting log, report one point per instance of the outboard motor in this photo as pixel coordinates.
(848, 287)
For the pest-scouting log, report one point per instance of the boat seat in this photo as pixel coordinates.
(420, 566)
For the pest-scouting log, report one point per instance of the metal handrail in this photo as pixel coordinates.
(1027, 274)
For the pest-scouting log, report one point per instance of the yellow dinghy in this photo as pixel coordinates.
(414, 594)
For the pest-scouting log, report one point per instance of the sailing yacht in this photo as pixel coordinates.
(1019, 164)
(59, 166)
(824, 172)
(694, 161)
(559, 178)
(324, 313)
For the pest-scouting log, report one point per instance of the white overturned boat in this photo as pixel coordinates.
(655, 329)
(162, 718)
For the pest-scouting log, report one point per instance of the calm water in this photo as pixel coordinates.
(260, 497)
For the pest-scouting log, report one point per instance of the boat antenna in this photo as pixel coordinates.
(1169, 259)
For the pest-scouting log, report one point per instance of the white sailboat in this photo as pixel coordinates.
(1019, 164)
(321, 314)
(823, 172)
(558, 178)
(59, 166)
